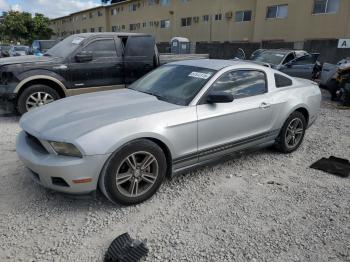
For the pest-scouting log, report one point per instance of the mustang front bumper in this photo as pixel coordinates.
(61, 173)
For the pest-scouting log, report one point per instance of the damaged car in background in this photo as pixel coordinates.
(180, 116)
(296, 63)
(336, 79)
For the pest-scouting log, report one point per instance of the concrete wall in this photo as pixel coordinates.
(327, 48)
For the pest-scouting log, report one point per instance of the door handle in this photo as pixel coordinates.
(264, 105)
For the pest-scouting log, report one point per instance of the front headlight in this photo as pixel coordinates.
(65, 149)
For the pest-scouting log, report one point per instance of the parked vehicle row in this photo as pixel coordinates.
(180, 116)
(78, 64)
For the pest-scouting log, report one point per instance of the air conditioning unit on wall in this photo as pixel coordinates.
(229, 14)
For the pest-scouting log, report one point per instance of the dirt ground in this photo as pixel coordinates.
(261, 206)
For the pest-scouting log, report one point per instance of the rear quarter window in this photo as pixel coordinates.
(282, 81)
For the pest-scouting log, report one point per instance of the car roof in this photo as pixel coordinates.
(86, 35)
(214, 64)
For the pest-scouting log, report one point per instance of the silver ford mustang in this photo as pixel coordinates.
(180, 116)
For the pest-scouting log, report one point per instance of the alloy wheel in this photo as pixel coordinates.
(294, 132)
(136, 174)
(38, 99)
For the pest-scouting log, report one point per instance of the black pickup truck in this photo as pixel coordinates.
(78, 64)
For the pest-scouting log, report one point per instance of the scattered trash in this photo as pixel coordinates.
(229, 176)
(254, 175)
(126, 249)
(333, 165)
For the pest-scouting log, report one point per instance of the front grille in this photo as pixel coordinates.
(36, 143)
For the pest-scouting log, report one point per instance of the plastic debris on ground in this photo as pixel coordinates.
(126, 249)
(334, 165)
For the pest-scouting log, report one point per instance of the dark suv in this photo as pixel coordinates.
(78, 64)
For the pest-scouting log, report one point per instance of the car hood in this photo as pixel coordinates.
(25, 59)
(72, 117)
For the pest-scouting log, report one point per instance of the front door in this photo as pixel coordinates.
(105, 69)
(301, 67)
(227, 127)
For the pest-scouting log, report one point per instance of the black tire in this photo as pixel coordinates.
(282, 143)
(333, 88)
(108, 179)
(22, 99)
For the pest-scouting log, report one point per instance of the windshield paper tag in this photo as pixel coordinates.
(199, 75)
(77, 40)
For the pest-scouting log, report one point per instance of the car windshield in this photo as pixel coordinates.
(177, 84)
(20, 48)
(270, 57)
(5, 47)
(65, 47)
(45, 45)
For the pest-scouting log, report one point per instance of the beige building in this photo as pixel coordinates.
(215, 20)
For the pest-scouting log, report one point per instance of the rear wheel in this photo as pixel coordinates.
(35, 96)
(292, 133)
(134, 173)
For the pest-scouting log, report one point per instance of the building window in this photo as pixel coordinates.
(326, 6)
(134, 27)
(92, 30)
(205, 18)
(114, 28)
(152, 2)
(84, 30)
(277, 11)
(132, 7)
(84, 17)
(164, 23)
(243, 16)
(99, 13)
(186, 21)
(164, 2)
(91, 14)
(144, 24)
(114, 11)
(100, 29)
(218, 17)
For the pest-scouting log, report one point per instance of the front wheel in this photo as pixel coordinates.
(292, 133)
(35, 96)
(134, 173)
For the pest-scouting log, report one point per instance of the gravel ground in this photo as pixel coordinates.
(261, 206)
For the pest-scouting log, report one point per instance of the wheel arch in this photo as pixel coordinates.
(155, 139)
(44, 80)
(305, 113)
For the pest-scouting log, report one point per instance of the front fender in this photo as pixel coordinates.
(37, 74)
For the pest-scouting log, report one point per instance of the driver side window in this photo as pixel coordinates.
(243, 83)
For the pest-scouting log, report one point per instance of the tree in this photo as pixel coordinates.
(21, 26)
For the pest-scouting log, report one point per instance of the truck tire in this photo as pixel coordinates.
(35, 96)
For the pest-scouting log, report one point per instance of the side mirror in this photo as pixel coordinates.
(83, 57)
(219, 97)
